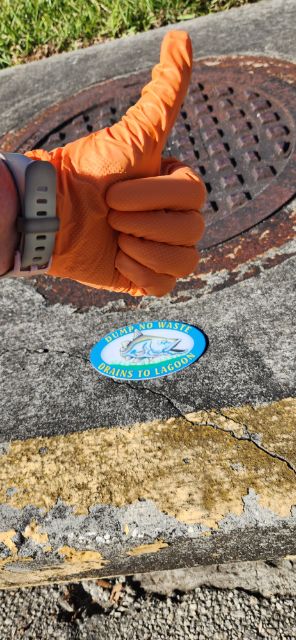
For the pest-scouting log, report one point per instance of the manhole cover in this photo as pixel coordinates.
(236, 128)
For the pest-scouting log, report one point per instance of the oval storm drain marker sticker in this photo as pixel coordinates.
(148, 350)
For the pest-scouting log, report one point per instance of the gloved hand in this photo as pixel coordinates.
(129, 219)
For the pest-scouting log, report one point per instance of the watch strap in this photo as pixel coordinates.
(35, 181)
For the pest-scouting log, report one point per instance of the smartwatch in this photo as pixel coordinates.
(37, 224)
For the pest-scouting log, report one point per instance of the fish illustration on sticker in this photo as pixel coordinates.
(148, 346)
(148, 350)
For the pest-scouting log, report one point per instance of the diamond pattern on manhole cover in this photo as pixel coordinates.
(236, 128)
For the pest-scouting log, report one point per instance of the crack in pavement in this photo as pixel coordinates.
(252, 437)
(249, 437)
(45, 350)
(156, 393)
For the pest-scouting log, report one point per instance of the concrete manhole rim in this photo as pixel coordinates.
(244, 216)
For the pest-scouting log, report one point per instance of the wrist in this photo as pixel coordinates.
(9, 209)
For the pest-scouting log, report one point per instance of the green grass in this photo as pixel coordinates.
(32, 29)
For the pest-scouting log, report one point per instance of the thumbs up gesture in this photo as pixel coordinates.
(130, 219)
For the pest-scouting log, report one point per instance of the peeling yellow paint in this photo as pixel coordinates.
(22, 573)
(147, 548)
(32, 531)
(16, 571)
(207, 534)
(3, 562)
(120, 465)
(191, 516)
(6, 563)
(77, 556)
(47, 549)
(6, 539)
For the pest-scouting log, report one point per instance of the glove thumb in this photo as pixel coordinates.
(146, 125)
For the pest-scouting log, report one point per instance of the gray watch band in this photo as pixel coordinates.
(36, 184)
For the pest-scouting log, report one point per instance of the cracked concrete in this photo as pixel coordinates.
(159, 490)
(202, 461)
(102, 478)
(253, 439)
(250, 437)
(241, 324)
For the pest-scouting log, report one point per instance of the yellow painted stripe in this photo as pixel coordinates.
(148, 548)
(193, 468)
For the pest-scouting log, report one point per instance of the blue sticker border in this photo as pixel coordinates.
(201, 344)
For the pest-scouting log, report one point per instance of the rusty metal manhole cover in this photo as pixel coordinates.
(236, 128)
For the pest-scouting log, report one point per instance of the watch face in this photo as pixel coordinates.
(148, 350)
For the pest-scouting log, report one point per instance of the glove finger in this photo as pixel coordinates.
(171, 227)
(149, 121)
(160, 258)
(182, 189)
(150, 283)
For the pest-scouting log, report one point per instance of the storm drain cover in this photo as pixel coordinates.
(236, 129)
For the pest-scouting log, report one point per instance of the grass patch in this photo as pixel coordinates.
(33, 29)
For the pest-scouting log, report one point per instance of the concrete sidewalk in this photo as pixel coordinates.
(101, 478)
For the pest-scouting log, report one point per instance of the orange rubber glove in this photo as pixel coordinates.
(138, 235)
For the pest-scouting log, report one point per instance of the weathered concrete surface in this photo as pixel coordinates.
(106, 478)
(178, 490)
(264, 578)
(264, 28)
(250, 358)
